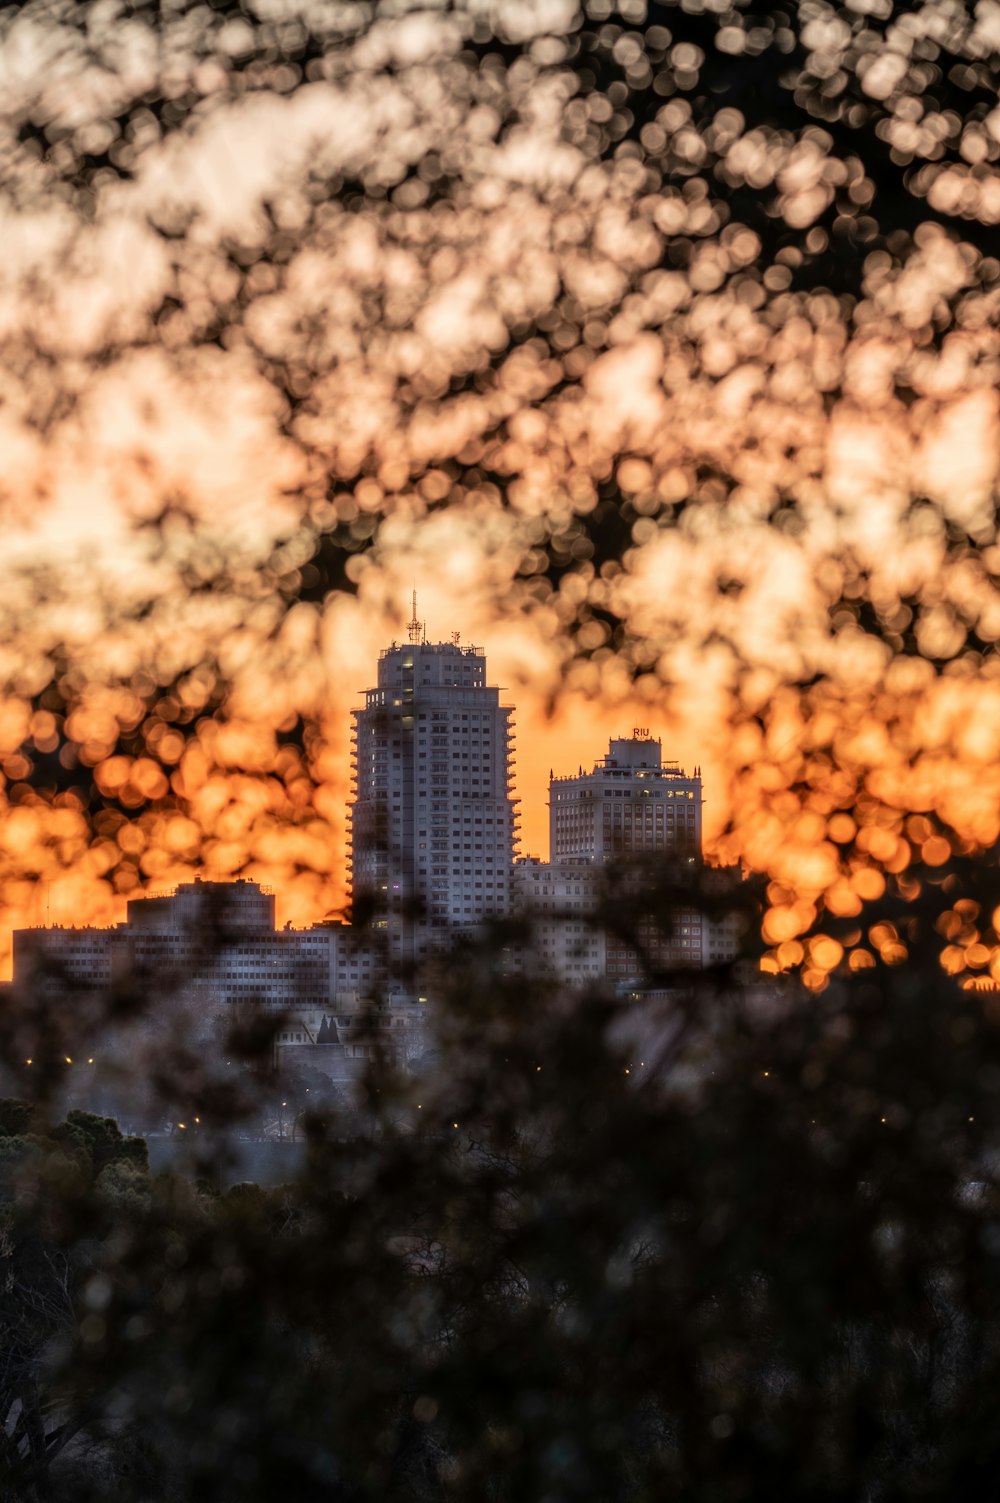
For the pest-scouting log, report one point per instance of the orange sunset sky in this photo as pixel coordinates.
(220, 349)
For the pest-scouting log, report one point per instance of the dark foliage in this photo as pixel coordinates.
(727, 1244)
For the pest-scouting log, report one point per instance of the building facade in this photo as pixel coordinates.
(432, 819)
(210, 949)
(605, 827)
(560, 897)
(632, 803)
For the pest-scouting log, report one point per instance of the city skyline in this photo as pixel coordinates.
(540, 813)
(433, 853)
(691, 423)
(582, 737)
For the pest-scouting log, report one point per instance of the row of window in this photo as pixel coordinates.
(578, 796)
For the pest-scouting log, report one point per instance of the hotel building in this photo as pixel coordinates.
(603, 825)
(630, 804)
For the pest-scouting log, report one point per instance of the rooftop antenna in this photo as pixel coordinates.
(414, 628)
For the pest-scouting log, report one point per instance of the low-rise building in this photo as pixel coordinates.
(212, 949)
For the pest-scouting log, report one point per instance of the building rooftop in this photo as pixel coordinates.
(452, 647)
(638, 755)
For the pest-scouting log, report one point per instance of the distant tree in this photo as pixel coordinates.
(47, 1178)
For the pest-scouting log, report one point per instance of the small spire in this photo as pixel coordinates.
(415, 627)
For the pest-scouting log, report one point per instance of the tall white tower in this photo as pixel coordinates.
(432, 820)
